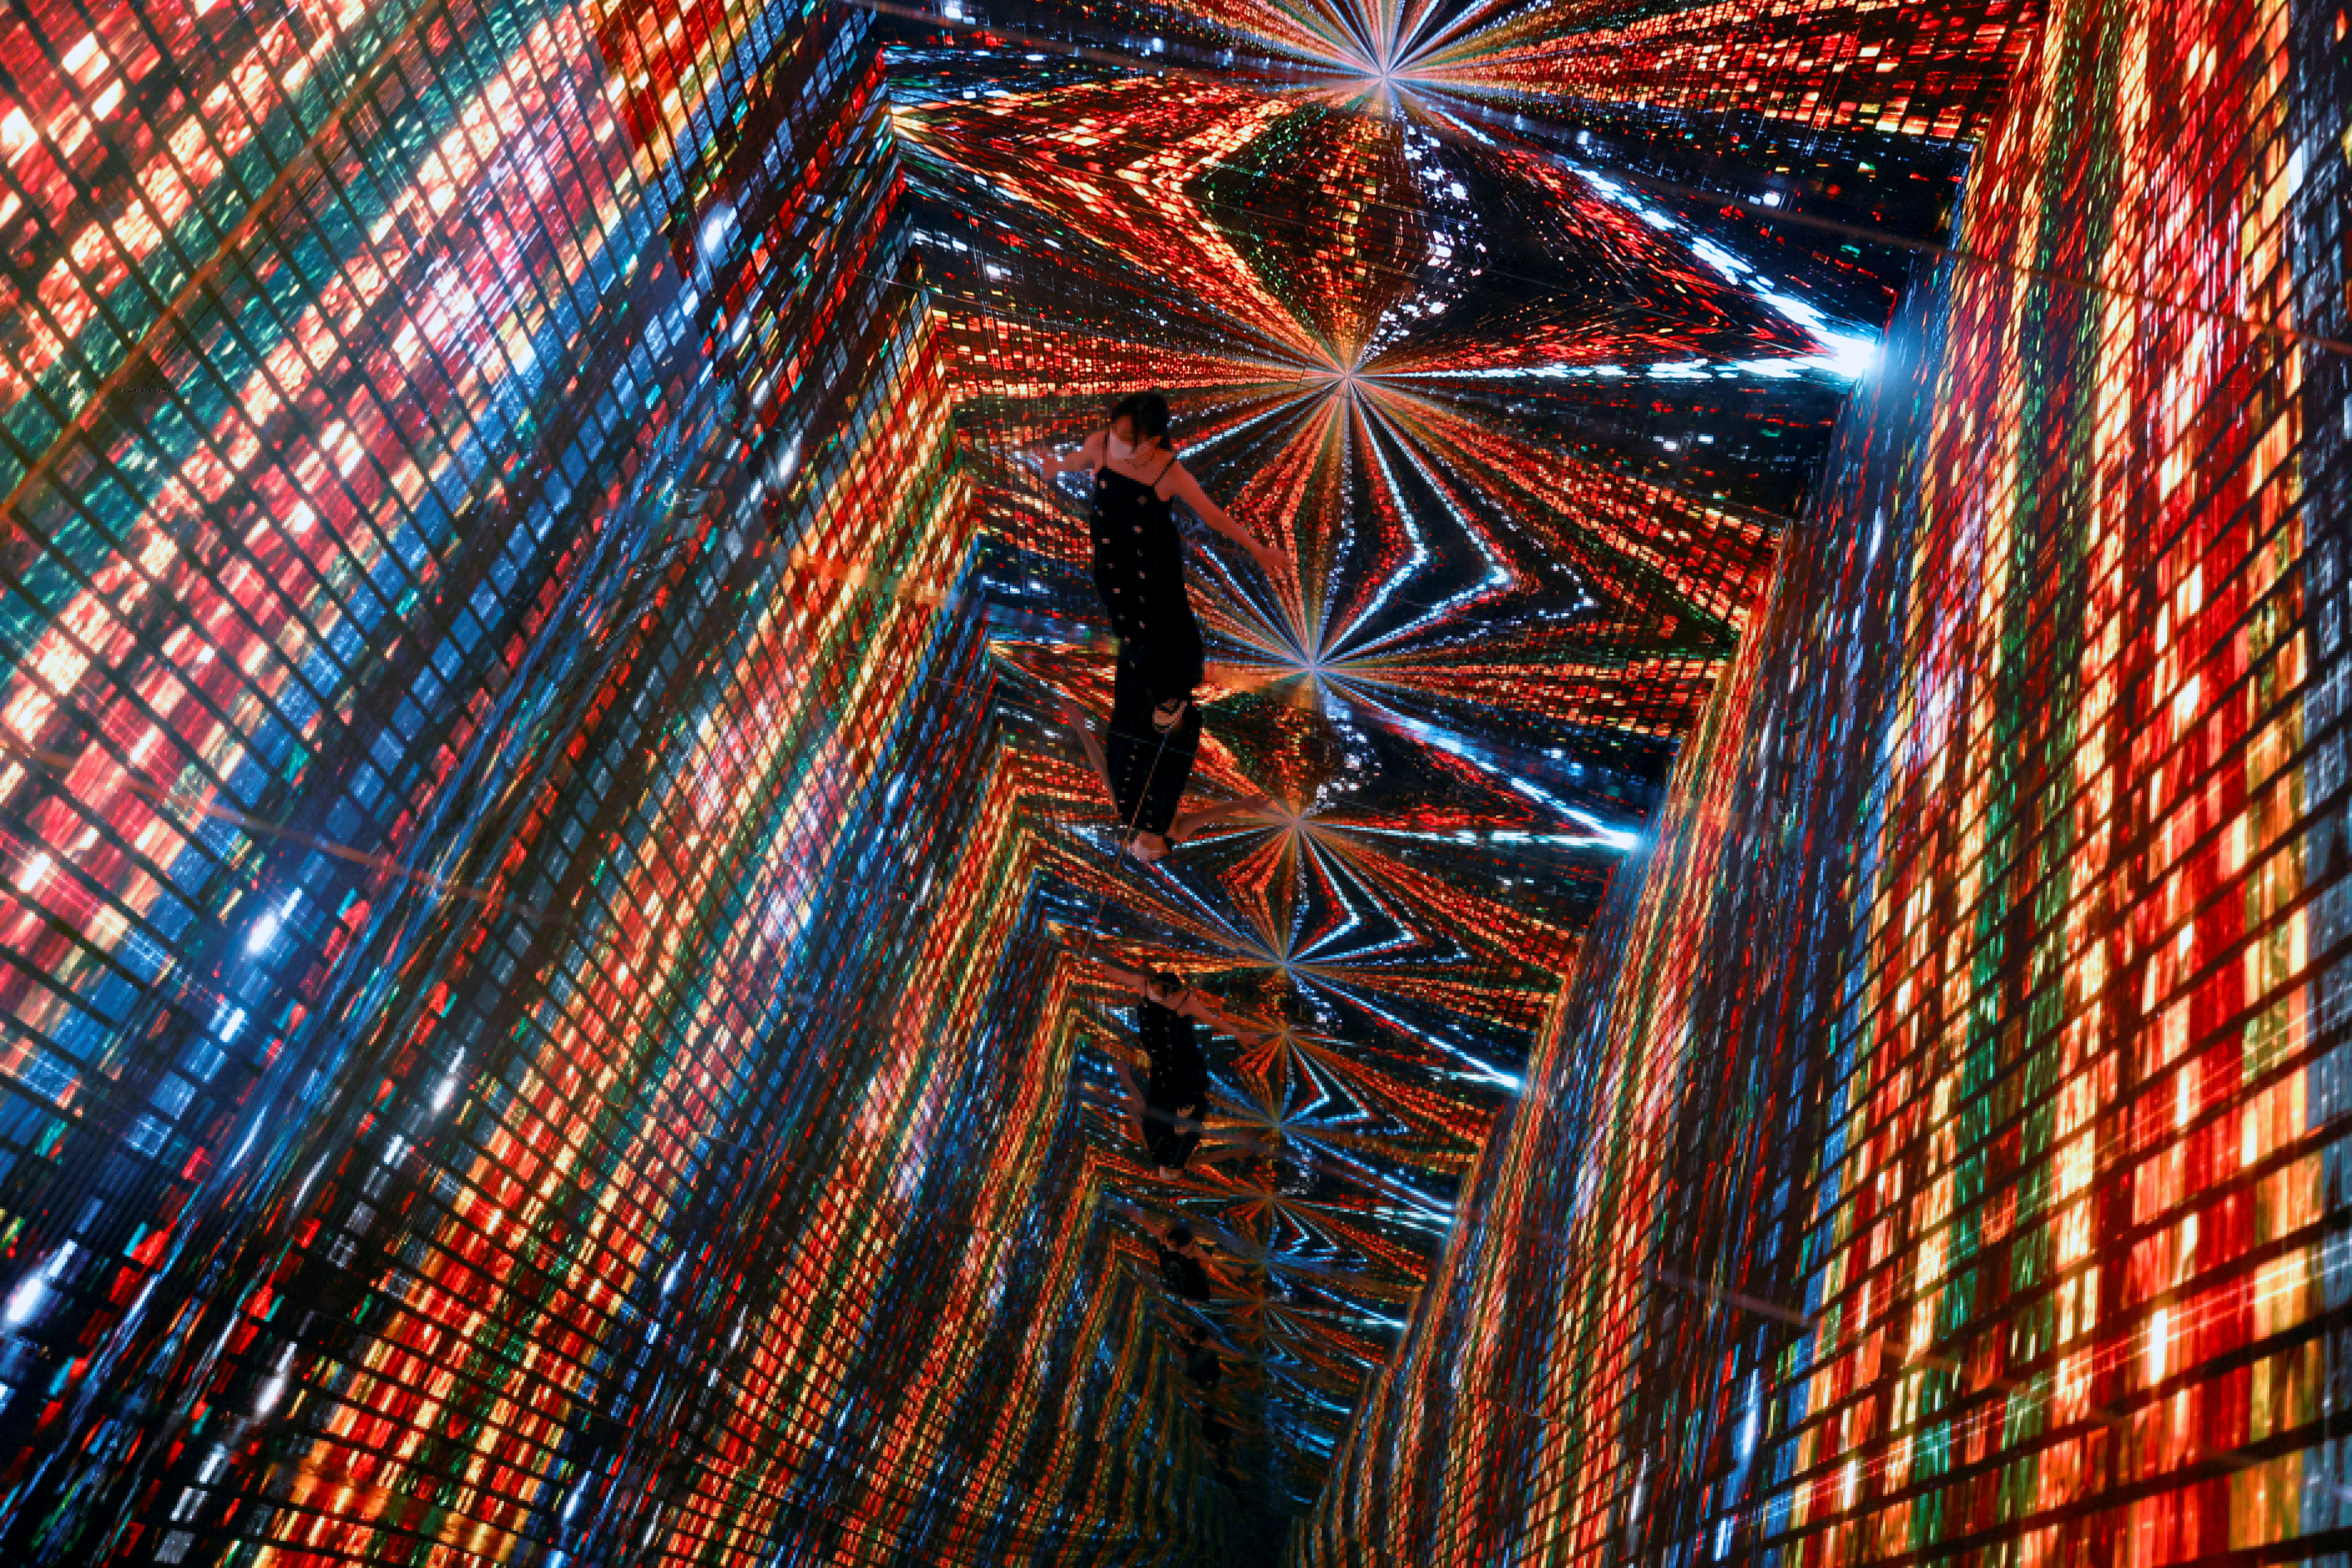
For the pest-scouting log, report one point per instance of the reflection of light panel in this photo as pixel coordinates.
(427, 822)
(533, 894)
(1929, 1161)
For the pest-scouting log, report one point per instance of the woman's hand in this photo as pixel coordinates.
(1276, 563)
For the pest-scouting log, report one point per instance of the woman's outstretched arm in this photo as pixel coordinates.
(1119, 975)
(1138, 1104)
(1088, 455)
(1126, 979)
(1276, 563)
(1200, 1006)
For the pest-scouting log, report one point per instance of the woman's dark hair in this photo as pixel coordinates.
(1168, 980)
(1179, 1236)
(1149, 409)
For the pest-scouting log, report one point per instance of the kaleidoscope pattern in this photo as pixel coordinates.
(556, 932)
(1532, 425)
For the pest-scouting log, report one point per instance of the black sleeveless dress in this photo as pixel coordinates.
(1148, 768)
(1183, 1276)
(1138, 559)
(1178, 1082)
(1179, 1069)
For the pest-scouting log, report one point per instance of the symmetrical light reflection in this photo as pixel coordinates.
(538, 875)
(1382, 325)
(1933, 1160)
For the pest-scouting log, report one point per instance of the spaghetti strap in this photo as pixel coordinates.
(1163, 473)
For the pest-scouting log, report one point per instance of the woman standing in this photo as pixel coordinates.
(1138, 556)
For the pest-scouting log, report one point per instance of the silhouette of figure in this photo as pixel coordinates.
(1181, 1269)
(1173, 1099)
(1138, 554)
(1202, 1367)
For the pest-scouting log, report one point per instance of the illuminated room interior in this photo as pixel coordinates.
(564, 950)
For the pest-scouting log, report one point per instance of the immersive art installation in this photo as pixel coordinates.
(1935, 1157)
(558, 933)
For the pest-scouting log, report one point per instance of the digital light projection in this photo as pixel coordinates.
(1532, 433)
(436, 755)
(1931, 1161)
(1780, 968)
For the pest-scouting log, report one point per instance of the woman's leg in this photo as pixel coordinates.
(1175, 664)
(1131, 746)
(1149, 766)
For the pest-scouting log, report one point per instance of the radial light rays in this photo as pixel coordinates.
(1126, 196)
(1431, 365)
(1381, 45)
